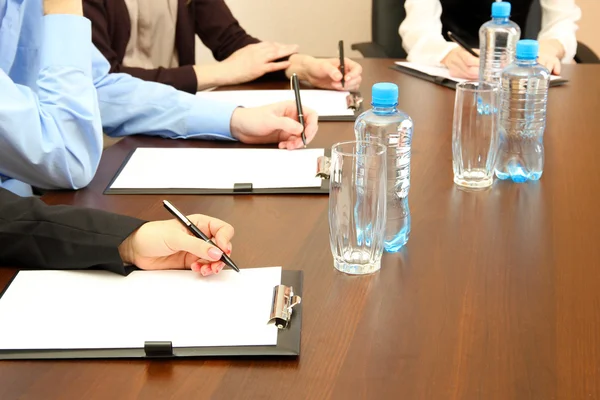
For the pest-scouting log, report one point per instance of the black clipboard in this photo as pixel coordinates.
(449, 83)
(239, 188)
(354, 102)
(288, 338)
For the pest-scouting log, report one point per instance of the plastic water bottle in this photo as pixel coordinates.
(524, 95)
(385, 123)
(497, 40)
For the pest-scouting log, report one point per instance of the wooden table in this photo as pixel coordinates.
(496, 295)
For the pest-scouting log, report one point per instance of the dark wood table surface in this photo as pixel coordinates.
(495, 296)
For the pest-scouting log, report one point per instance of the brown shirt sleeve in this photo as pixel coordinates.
(110, 34)
(221, 32)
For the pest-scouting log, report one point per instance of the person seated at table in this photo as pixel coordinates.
(57, 97)
(36, 235)
(424, 32)
(155, 40)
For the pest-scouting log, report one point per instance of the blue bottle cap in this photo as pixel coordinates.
(527, 49)
(501, 9)
(384, 94)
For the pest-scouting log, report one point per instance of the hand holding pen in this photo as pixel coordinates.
(213, 253)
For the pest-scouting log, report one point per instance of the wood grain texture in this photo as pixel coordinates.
(496, 295)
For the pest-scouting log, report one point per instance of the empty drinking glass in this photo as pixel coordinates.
(474, 134)
(357, 205)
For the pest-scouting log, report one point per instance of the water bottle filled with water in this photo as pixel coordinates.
(524, 95)
(497, 41)
(394, 128)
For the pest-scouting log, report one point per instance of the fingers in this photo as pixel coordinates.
(311, 122)
(215, 228)
(551, 63)
(353, 69)
(461, 64)
(468, 59)
(181, 241)
(276, 66)
(275, 51)
(207, 269)
(331, 70)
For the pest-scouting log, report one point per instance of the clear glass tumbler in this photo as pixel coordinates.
(357, 206)
(475, 134)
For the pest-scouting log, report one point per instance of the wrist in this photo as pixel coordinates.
(70, 7)
(298, 65)
(236, 123)
(210, 75)
(126, 250)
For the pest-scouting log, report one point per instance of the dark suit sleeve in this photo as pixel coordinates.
(33, 234)
(181, 78)
(221, 32)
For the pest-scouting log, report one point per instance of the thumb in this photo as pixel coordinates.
(287, 125)
(332, 71)
(198, 247)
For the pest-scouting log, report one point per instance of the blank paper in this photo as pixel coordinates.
(102, 310)
(191, 168)
(440, 71)
(326, 103)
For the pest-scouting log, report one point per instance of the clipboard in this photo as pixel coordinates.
(286, 314)
(449, 83)
(354, 102)
(327, 103)
(239, 188)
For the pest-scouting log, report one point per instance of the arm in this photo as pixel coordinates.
(218, 29)
(182, 78)
(53, 138)
(559, 24)
(132, 106)
(421, 32)
(60, 237)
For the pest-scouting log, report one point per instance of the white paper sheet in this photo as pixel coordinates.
(101, 310)
(441, 71)
(192, 168)
(326, 103)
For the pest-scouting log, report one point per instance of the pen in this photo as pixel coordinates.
(197, 232)
(296, 87)
(342, 65)
(461, 43)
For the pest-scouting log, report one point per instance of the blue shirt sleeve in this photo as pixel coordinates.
(130, 105)
(52, 138)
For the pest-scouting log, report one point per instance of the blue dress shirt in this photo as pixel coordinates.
(57, 97)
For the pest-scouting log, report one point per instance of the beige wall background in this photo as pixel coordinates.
(317, 25)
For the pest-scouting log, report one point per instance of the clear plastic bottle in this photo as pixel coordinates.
(394, 128)
(524, 96)
(497, 41)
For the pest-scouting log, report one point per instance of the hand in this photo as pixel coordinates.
(73, 7)
(550, 54)
(246, 64)
(325, 73)
(462, 64)
(273, 123)
(169, 245)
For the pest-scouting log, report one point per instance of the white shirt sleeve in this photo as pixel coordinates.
(421, 32)
(559, 21)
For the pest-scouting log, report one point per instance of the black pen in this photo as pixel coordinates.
(342, 65)
(461, 43)
(197, 232)
(296, 87)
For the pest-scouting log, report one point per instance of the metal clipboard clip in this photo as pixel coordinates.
(284, 300)
(354, 101)
(323, 167)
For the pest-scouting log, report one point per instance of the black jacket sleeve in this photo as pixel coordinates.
(33, 234)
